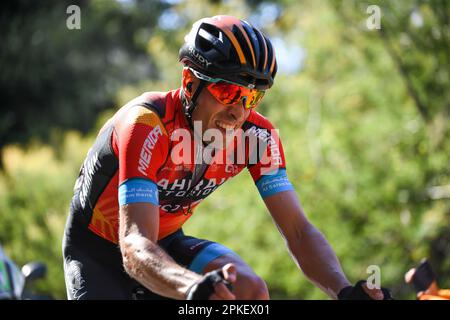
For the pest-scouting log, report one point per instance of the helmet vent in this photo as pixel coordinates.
(207, 37)
(244, 45)
(262, 51)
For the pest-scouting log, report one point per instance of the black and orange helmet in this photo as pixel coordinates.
(231, 49)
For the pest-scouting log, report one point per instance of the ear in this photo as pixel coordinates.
(189, 87)
(188, 82)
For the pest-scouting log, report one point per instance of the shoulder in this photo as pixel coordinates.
(150, 108)
(158, 102)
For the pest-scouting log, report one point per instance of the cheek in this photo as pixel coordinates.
(212, 107)
(245, 117)
(206, 110)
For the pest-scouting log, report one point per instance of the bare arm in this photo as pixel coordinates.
(307, 246)
(144, 260)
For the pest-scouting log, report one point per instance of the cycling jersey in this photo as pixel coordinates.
(139, 147)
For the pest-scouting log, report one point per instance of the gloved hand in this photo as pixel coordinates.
(203, 289)
(358, 292)
(424, 281)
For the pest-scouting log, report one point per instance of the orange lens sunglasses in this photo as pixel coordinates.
(227, 92)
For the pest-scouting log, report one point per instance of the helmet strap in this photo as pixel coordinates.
(190, 106)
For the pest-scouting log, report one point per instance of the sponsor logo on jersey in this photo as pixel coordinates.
(90, 167)
(147, 149)
(181, 189)
(272, 144)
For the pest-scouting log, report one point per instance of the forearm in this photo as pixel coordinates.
(318, 261)
(146, 262)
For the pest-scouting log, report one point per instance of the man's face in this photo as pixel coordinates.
(215, 115)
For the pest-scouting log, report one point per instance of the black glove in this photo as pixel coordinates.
(357, 292)
(203, 289)
(423, 277)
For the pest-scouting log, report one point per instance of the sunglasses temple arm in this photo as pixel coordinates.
(244, 102)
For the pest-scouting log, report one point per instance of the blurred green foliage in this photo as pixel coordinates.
(363, 116)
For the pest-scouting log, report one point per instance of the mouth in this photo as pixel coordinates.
(225, 126)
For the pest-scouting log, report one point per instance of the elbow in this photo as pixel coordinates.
(300, 235)
(302, 230)
(131, 251)
(128, 263)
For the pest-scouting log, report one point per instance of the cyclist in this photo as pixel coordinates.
(161, 154)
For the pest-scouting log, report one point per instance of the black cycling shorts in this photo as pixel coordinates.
(93, 267)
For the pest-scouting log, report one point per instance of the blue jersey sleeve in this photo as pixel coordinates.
(138, 190)
(271, 184)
